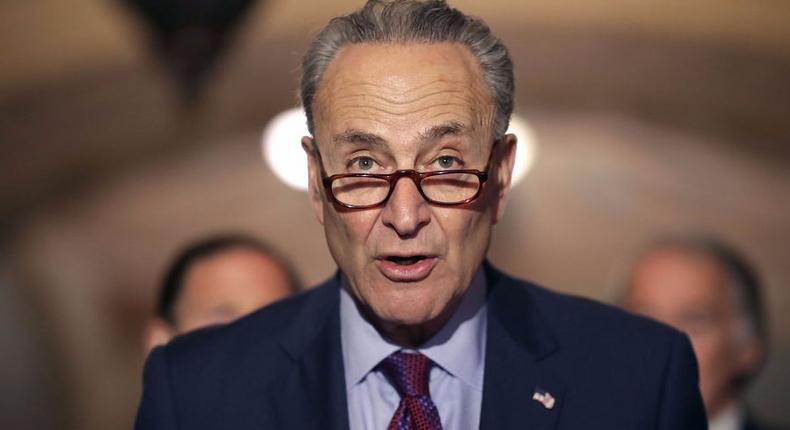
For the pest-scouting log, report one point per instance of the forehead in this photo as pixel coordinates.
(234, 265)
(391, 88)
(676, 276)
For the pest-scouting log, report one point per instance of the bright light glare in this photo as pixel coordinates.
(282, 148)
(283, 152)
(526, 148)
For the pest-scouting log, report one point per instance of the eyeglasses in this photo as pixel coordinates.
(370, 190)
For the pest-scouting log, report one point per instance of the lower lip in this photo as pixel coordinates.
(407, 273)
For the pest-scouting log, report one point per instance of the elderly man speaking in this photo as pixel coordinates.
(409, 168)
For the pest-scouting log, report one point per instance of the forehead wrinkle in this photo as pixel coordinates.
(358, 104)
(392, 98)
(398, 85)
(353, 108)
(440, 81)
(442, 84)
(396, 100)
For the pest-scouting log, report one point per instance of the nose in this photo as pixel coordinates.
(406, 211)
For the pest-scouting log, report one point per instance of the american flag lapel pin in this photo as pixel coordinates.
(544, 398)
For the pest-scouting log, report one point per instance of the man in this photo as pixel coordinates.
(409, 168)
(706, 289)
(217, 280)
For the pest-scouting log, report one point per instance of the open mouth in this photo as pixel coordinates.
(410, 268)
(406, 261)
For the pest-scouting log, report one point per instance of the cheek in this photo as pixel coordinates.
(466, 234)
(347, 232)
(714, 355)
(705, 351)
(463, 225)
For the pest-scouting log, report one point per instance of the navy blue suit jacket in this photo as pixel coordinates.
(282, 368)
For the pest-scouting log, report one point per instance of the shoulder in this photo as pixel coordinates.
(750, 423)
(587, 334)
(570, 314)
(254, 341)
(573, 316)
(623, 371)
(206, 378)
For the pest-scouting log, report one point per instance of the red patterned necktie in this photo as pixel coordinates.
(408, 373)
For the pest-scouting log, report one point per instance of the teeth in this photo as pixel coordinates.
(405, 261)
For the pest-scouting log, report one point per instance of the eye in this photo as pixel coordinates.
(362, 163)
(447, 162)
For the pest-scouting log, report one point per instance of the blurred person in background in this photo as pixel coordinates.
(216, 280)
(705, 288)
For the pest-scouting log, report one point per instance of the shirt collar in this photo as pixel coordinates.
(458, 348)
(728, 419)
(363, 347)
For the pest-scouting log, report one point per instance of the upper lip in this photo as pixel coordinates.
(385, 256)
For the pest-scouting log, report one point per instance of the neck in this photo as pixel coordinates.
(721, 407)
(412, 335)
(727, 418)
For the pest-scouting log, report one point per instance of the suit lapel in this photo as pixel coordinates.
(312, 394)
(518, 340)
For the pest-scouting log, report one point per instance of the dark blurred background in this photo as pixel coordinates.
(128, 127)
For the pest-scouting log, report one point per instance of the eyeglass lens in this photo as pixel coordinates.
(365, 191)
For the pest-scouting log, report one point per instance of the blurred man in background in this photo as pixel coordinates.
(706, 289)
(215, 281)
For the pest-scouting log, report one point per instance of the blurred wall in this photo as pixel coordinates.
(649, 116)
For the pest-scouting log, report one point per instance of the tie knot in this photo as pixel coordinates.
(407, 372)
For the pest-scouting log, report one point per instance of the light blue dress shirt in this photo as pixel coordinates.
(456, 381)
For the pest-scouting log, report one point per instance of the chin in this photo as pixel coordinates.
(407, 309)
(404, 303)
(410, 317)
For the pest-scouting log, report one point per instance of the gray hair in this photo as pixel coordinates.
(433, 21)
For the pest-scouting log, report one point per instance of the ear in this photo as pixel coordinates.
(505, 160)
(314, 178)
(157, 332)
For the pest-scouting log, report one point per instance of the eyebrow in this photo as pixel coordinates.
(358, 137)
(437, 132)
